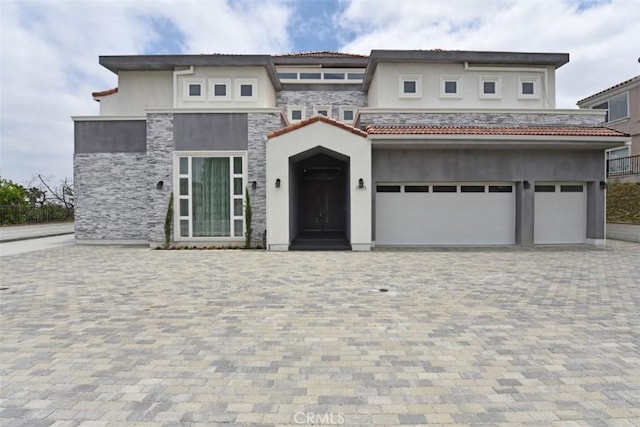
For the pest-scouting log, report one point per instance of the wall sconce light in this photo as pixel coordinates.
(603, 185)
(159, 185)
(254, 185)
(526, 185)
(361, 183)
(278, 183)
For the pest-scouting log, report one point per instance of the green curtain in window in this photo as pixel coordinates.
(210, 196)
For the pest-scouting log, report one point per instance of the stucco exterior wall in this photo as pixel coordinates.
(111, 196)
(384, 91)
(138, 90)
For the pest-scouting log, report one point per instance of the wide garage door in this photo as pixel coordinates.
(445, 214)
(560, 214)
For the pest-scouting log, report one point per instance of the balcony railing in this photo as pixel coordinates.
(623, 166)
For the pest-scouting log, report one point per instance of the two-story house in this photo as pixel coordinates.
(398, 148)
(622, 105)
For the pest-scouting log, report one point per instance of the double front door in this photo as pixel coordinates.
(322, 200)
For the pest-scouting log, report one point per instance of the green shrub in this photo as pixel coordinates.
(168, 221)
(623, 202)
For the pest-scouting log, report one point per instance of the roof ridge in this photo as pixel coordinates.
(320, 53)
(609, 88)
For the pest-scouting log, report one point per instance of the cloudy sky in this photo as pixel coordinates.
(49, 48)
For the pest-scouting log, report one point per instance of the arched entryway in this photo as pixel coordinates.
(319, 197)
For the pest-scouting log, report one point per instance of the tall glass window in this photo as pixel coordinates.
(210, 196)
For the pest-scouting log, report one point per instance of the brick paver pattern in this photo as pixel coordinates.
(95, 336)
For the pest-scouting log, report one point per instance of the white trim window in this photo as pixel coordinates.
(451, 86)
(246, 89)
(220, 89)
(322, 110)
(209, 192)
(295, 113)
(347, 114)
(617, 107)
(193, 90)
(528, 87)
(490, 87)
(410, 86)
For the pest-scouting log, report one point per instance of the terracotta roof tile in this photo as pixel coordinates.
(320, 54)
(104, 92)
(486, 130)
(314, 119)
(609, 88)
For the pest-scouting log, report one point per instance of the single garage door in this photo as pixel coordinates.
(445, 214)
(560, 214)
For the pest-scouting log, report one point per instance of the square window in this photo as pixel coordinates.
(527, 88)
(195, 89)
(489, 88)
(347, 115)
(409, 86)
(220, 90)
(323, 113)
(451, 87)
(246, 90)
(296, 114)
(322, 110)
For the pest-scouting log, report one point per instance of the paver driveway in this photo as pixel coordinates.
(132, 336)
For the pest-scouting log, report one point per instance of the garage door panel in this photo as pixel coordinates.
(560, 216)
(445, 218)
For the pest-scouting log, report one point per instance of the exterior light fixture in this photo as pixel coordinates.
(526, 185)
(603, 185)
(159, 185)
(361, 183)
(277, 182)
(254, 185)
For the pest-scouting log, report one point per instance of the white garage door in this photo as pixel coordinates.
(445, 214)
(560, 213)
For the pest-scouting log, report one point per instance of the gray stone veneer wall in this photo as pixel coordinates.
(310, 98)
(260, 124)
(112, 194)
(160, 149)
(481, 119)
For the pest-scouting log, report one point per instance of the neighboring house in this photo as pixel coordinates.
(622, 105)
(398, 148)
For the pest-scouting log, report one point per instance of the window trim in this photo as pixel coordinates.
(238, 85)
(219, 81)
(177, 197)
(417, 78)
(317, 108)
(186, 83)
(497, 80)
(292, 108)
(451, 78)
(344, 108)
(536, 87)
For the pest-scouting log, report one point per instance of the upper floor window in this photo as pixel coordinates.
(451, 86)
(193, 90)
(490, 87)
(296, 112)
(528, 87)
(617, 107)
(410, 86)
(246, 89)
(347, 114)
(328, 75)
(219, 89)
(322, 110)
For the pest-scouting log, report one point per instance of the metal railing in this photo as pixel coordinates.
(623, 166)
(34, 214)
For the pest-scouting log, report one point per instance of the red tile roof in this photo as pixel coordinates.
(315, 119)
(626, 82)
(104, 92)
(320, 54)
(485, 130)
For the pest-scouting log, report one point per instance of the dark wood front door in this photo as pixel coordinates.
(323, 201)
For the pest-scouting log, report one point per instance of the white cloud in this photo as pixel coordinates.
(601, 39)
